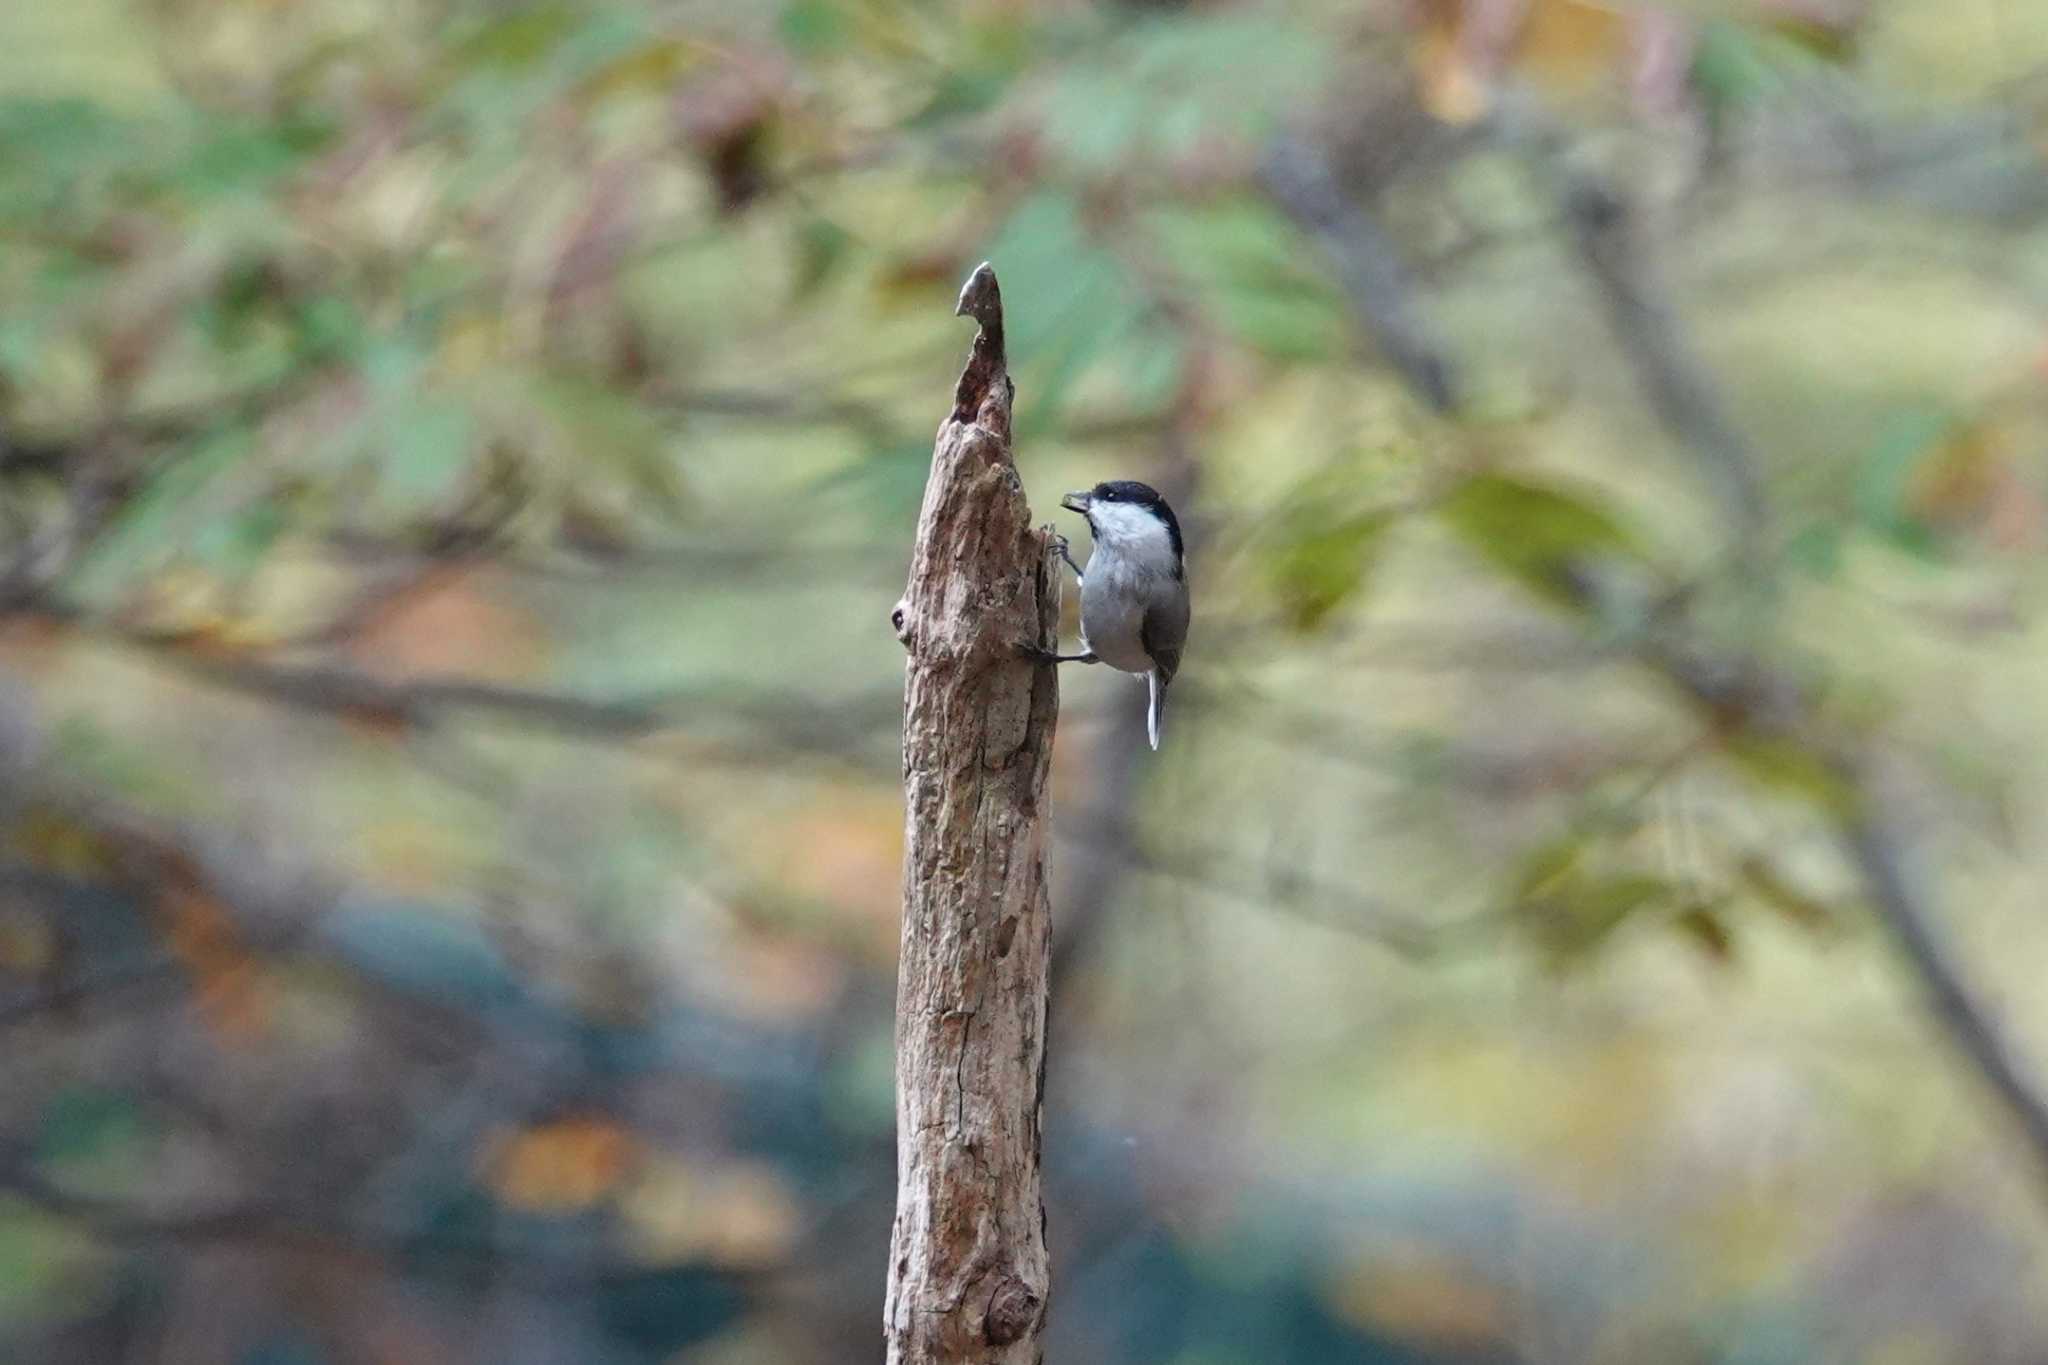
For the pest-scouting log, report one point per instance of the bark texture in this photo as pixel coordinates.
(968, 1274)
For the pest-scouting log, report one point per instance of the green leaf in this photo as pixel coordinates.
(22, 341)
(1325, 563)
(812, 27)
(428, 448)
(1792, 769)
(330, 327)
(821, 247)
(1284, 324)
(1149, 93)
(1577, 911)
(138, 772)
(1793, 905)
(650, 68)
(603, 429)
(393, 366)
(1243, 263)
(54, 154)
(1084, 303)
(1884, 478)
(1569, 904)
(1540, 536)
(1547, 864)
(510, 68)
(1096, 120)
(1608, 902)
(1816, 550)
(886, 482)
(235, 546)
(961, 94)
(520, 39)
(161, 519)
(1729, 65)
(230, 158)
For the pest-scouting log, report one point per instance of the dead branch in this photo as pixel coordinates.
(968, 1273)
(1369, 267)
(1678, 386)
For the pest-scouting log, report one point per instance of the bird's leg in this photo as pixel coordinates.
(1039, 654)
(1067, 554)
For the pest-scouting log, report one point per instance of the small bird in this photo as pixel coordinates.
(1134, 592)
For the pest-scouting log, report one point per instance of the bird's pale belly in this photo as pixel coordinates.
(1110, 626)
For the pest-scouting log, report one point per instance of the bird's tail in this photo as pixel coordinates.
(1155, 707)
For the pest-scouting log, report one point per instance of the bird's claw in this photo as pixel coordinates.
(1066, 552)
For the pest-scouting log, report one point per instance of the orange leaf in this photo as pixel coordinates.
(1464, 49)
(233, 989)
(445, 624)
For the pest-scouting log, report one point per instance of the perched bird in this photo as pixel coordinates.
(1134, 592)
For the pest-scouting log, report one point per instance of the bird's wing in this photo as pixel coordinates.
(1163, 633)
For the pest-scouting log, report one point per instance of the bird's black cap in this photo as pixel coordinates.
(1144, 495)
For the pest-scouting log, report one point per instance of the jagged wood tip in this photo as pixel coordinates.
(987, 371)
(981, 298)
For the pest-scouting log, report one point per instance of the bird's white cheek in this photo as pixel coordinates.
(1131, 530)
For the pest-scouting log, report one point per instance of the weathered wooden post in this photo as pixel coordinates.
(968, 1275)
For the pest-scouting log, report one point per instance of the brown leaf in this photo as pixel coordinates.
(1423, 1296)
(55, 841)
(1709, 933)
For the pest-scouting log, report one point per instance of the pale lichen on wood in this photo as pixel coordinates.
(968, 1274)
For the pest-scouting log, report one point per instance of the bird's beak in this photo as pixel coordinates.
(1076, 502)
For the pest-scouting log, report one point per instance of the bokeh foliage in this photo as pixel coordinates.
(455, 462)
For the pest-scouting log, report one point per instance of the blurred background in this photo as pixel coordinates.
(457, 458)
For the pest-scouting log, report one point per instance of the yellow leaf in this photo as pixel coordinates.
(57, 843)
(654, 68)
(1792, 769)
(1567, 46)
(1542, 536)
(737, 1213)
(561, 1166)
(472, 344)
